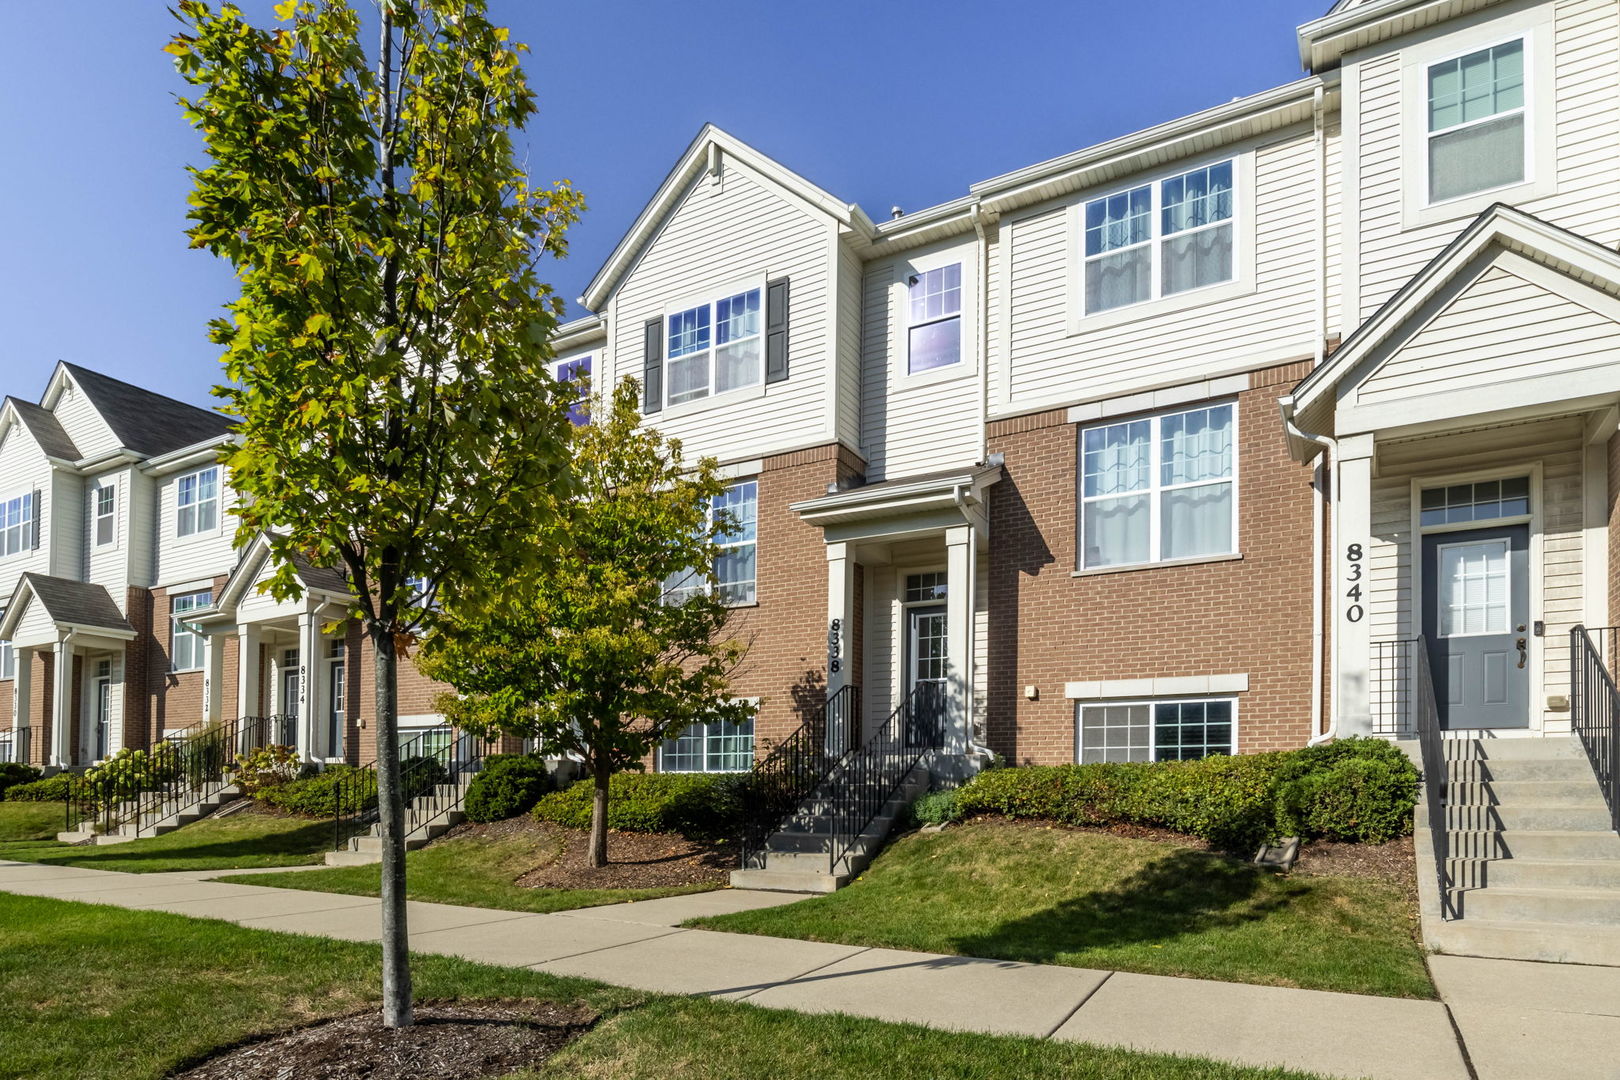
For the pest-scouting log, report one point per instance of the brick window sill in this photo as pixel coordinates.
(1196, 560)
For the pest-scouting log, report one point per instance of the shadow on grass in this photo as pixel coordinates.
(309, 839)
(1183, 894)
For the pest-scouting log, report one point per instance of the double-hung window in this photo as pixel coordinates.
(16, 524)
(1159, 239)
(716, 347)
(1476, 122)
(1155, 730)
(186, 644)
(934, 319)
(577, 371)
(710, 746)
(1158, 488)
(736, 511)
(197, 502)
(106, 508)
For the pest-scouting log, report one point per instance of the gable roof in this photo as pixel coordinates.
(77, 604)
(314, 578)
(46, 429)
(702, 154)
(1310, 405)
(146, 422)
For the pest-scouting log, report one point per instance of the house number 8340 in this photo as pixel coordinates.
(1354, 560)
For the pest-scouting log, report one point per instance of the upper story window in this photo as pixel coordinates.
(8, 655)
(17, 525)
(1159, 239)
(197, 502)
(185, 643)
(105, 516)
(738, 540)
(577, 370)
(1159, 488)
(934, 319)
(716, 347)
(1476, 122)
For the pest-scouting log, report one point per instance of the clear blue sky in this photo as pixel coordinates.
(903, 102)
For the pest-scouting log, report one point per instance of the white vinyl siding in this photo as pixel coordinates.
(91, 435)
(185, 645)
(189, 558)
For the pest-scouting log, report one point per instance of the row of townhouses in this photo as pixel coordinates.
(1167, 447)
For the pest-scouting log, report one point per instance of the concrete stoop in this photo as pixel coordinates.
(427, 818)
(1535, 864)
(797, 856)
(165, 817)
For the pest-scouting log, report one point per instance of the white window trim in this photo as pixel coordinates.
(1083, 704)
(753, 757)
(1243, 245)
(8, 659)
(595, 358)
(1155, 515)
(175, 631)
(1540, 152)
(900, 338)
(218, 500)
(712, 400)
(30, 527)
(96, 515)
(708, 588)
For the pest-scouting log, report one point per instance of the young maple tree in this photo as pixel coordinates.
(590, 652)
(387, 353)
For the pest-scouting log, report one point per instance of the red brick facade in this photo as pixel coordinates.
(1250, 615)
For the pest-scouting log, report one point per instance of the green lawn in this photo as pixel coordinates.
(97, 992)
(1087, 899)
(469, 870)
(31, 820)
(237, 841)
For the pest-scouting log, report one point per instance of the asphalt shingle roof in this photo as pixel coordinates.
(77, 603)
(46, 429)
(147, 423)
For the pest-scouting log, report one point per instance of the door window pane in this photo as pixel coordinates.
(1473, 588)
(1485, 500)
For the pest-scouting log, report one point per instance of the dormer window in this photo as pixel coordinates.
(1476, 122)
(197, 502)
(716, 347)
(17, 525)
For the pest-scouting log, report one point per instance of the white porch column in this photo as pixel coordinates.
(62, 702)
(1352, 652)
(841, 616)
(22, 734)
(959, 585)
(213, 668)
(1595, 555)
(247, 671)
(309, 636)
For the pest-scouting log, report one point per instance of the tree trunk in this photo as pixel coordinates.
(396, 960)
(599, 809)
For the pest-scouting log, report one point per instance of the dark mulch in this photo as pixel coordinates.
(1394, 862)
(635, 861)
(449, 1041)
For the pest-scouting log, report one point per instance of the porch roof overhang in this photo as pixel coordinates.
(322, 585)
(79, 608)
(1309, 411)
(908, 504)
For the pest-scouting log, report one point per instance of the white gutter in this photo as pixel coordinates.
(984, 330)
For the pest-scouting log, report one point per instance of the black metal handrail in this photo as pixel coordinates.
(794, 768)
(440, 779)
(1595, 708)
(865, 779)
(1426, 721)
(1392, 697)
(277, 729)
(424, 766)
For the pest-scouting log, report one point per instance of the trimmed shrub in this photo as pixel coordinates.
(13, 773)
(266, 766)
(699, 806)
(51, 789)
(317, 796)
(506, 786)
(933, 808)
(1355, 790)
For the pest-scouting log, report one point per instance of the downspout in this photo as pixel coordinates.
(1325, 481)
(983, 290)
(974, 750)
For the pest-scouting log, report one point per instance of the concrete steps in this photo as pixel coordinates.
(426, 818)
(163, 817)
(1535, 862)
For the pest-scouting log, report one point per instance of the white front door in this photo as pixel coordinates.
(927, 664)
(335, 713)
(101, 703)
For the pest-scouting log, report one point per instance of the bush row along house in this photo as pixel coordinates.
(1161, 448)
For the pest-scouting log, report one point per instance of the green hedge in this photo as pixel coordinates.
(318, 795)
(506, 786)
(699, 806)
(13, 773)
(51, 789)
(1354, 789)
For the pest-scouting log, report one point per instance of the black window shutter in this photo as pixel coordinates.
(652, 367)
(776, 330)
(34, 522)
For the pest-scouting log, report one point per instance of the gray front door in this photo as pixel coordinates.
(1476, 614)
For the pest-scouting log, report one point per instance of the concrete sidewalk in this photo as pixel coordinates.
(641, 945)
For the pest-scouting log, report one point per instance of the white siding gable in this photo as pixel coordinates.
(24, 469)
(81, 421)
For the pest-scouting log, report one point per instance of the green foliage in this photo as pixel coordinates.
(699, 806)
(506, 786)
(934, 808)
(318, 795)
(53, 788)
(13, 773)
(266, 766)
(130, 772)
(1355, 790)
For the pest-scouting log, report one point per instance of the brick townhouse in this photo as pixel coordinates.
(1169, 446)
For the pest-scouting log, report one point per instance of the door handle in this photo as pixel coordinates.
(1523, 652)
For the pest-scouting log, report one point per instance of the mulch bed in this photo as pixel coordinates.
(635, 860)
(450, 1040)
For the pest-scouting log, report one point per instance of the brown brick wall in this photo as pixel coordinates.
(1250, 615)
